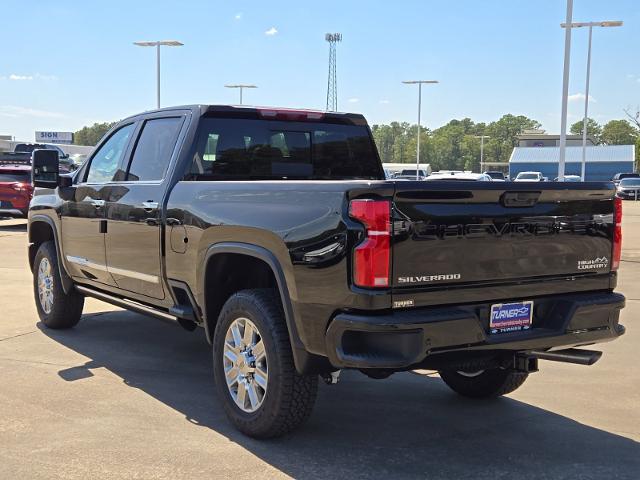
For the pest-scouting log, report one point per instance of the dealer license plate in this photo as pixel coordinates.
(510, 317)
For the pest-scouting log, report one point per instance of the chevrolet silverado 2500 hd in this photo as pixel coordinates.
(276, 231)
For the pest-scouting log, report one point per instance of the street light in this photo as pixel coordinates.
(565, 92)
(482, 137)
(241, 87)
(419, 82)
(166, 43)
(586, 93)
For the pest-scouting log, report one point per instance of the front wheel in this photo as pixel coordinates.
(261, 391)
(56, 309)
(492, 382)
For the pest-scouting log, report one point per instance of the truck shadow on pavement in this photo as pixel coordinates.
(11, 225)
(407, 426)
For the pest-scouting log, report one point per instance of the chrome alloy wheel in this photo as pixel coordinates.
(45, 285)
(245, 364)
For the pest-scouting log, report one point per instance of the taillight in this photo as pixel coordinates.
(617, 233)
(371, 258)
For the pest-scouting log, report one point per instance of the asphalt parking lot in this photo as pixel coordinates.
(126, 396)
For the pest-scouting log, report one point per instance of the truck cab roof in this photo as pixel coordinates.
(263, 112)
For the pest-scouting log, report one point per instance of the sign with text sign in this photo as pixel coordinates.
(55, 137)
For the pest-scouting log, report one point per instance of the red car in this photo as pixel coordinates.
(15, 190)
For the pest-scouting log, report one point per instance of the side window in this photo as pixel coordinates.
(104, 164)
(154, 148)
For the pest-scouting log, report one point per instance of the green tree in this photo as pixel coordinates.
(619, 132)
(454, 146)
(594, 130)
(91, 135)
(504, 136)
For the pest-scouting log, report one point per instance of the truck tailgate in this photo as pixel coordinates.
(454, 233)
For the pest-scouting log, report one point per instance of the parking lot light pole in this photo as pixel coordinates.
(482, 137)
(241, 86)
(565, 92)
(157, 44)
(419, 82)
(586, 88)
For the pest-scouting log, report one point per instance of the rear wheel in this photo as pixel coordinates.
(56, 309)
(261, 391)
(493, 382)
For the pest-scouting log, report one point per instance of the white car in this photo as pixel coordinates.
(529, 177)
(569, 178)
(474, 177)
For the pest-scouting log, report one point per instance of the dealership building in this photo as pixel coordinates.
(602, 161)
(540, 152)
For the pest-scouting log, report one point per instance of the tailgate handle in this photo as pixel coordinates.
(520, 199)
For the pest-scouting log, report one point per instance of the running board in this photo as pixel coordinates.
(126, 304)
(570, 355)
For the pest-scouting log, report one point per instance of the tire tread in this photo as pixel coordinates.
(67, 307)
(298, 392)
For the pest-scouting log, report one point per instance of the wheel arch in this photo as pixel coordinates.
(302, 359)
(42, 228)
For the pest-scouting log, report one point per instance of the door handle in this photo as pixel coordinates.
(150, 205)
(97, 203)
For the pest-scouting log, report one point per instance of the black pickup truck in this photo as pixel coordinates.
(276, 232)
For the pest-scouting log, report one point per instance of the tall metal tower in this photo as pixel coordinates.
(332, 81)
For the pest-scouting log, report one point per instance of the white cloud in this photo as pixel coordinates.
(13, 76)
(15, 111)
(271, 32)
(579, 97)
(353, 100)
(238, 16)
(40, 76)
(384, 102)
(19, 78)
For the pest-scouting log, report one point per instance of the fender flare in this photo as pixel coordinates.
(65, 279)
(300, 354)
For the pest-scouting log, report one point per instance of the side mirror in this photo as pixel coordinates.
(45, 167)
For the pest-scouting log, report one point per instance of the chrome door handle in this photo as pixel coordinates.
(97, 203)
(149, 205)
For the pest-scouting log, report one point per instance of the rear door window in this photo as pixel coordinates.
(154, 149)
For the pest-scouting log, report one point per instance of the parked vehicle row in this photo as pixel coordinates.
(15, 175)
(629, 188)
(528, 176)
(15, 189)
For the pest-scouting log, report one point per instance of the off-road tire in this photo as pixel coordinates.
(290, 397)
(66, 308)
(493, 382)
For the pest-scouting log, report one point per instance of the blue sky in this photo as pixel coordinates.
(65, 64)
